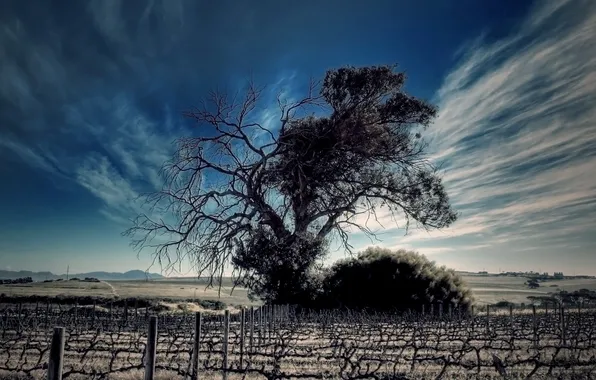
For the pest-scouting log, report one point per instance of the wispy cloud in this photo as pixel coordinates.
(516, 133)
(97, 135)
(516, 138)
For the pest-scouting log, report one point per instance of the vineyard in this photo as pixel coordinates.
(284, 343)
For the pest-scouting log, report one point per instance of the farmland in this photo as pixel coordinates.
(109, 340)
(177, 289)
(487, 289)
(276, 343)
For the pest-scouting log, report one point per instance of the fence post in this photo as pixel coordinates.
(261, 332)
(56, 354)
(252, 328)
(93, 315)
(487, 318)
(511, 322)
(563, 337)
(47, 313)
(19, 318)
(441, 311)
(242, 324)
(534, 325)
(150, 351)
(432, 310)
(270, 320)
(126, 311)
(225, 343)
(76, 314)
(196, 346)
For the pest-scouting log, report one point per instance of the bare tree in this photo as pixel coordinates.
(240, 187)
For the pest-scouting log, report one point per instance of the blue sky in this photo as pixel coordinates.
(91, 96)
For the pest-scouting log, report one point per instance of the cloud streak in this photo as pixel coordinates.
(516, 134)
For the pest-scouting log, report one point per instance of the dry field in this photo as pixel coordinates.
(492, 289)
(487, 289)
(184, 289)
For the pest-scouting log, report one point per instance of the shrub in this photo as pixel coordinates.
(385, 280)
(504, 304)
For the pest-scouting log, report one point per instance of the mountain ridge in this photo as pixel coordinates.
(134, 274)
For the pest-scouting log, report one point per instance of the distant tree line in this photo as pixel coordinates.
(22, 280)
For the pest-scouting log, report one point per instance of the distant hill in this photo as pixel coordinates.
(41, 276)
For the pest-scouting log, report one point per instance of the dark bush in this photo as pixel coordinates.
(384, 280)
(278, 271)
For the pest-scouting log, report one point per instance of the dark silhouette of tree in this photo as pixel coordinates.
(384, 280)
(267, 200)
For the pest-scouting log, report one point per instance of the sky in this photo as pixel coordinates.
(92, 95)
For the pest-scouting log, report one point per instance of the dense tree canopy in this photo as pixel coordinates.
(268, 199)
(386, 280)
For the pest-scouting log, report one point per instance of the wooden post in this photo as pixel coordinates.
(19, 317)
(450, 311)
(126, 311)
(93, 315)
(423, 310)
(252, 328)
(511, 321)
(110, 313)
(432, 310)
(47, 314)
(270, 320)
(56, 354)
(563, 337)
(534, 326)
(242, 324)
(261, 334)
(487, 318)
(76, 313)
(225, 343)
(196, 346)
(441, 310)
(151, 349)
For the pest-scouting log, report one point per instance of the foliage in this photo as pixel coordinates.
(268, 199)
(281, 272)
(503, 304)
(383, 280)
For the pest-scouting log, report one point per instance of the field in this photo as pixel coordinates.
(492, 289)
(177, 289)
(285, 344)
(487, 289)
